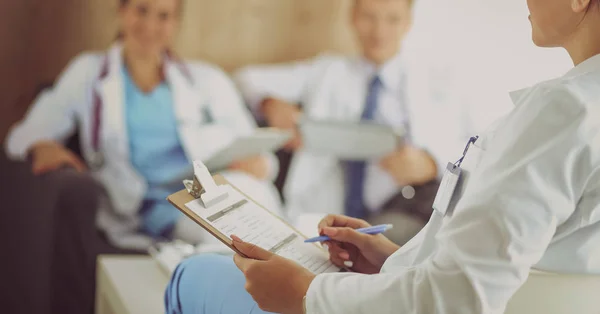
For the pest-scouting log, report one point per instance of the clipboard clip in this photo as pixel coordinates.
(204, 187)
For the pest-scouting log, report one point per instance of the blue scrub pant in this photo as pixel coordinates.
(210, 284)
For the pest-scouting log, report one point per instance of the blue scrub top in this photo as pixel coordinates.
(155, 152)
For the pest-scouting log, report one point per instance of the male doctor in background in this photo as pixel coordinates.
(385, 85)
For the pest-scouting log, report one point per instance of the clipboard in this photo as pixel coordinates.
(350, 140)
(263, 140)
(216, 205)
(181, 198)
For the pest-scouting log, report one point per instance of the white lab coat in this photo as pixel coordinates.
(531, 199)
(55, 114)
(332, 88)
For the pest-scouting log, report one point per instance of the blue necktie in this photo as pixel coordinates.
(355, 170)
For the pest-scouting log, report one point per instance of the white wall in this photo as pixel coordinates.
(39, 37)
(488, 45)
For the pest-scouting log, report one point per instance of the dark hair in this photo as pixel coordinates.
(125, 2)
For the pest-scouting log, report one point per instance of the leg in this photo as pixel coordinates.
(52, 240)
(27, 216)
(76, 242)
(209, 284)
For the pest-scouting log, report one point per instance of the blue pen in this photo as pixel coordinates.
(369, 230)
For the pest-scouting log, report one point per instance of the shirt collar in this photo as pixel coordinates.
(391, 73)
(589, 65)
(174, 69)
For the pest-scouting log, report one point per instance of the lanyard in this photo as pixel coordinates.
(97, 157)
(472, 141)
(451, 184)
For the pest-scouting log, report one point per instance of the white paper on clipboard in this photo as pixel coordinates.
(237, 215)
(349, 140)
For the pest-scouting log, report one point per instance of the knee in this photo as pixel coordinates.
(190, 270)
(196, 265)
(73, 182)
(74, 189)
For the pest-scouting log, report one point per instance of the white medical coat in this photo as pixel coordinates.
(532, 199)
(209, 111)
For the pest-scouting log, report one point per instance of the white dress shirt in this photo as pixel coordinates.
(334, 88)
(379, 185)
(531, 199)
(293, 83)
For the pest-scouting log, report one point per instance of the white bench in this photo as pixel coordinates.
(129, 285)
(549, 293)
(136, 285)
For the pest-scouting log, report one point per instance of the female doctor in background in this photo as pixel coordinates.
(144, 116)
(530, 198)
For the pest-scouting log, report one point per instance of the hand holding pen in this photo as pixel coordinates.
(354, 244)
(367, 230)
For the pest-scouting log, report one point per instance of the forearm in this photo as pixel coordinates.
(284, 82)
(52, 115)
(370, 294)
(23, 137)
(427, 288)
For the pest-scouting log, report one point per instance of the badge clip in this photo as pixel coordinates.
(472, 141)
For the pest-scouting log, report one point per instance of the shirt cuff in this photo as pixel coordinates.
(329, 288)
(18, 148)
(312, 306)
(273, 166)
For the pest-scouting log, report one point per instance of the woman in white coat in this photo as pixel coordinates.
(143, 116)
(530, 198)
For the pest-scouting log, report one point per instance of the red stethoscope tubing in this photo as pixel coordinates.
(97, 158)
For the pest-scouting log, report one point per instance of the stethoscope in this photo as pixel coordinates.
(97, 159)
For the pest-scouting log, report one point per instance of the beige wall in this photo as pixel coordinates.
(44, 35)
(237, 32)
